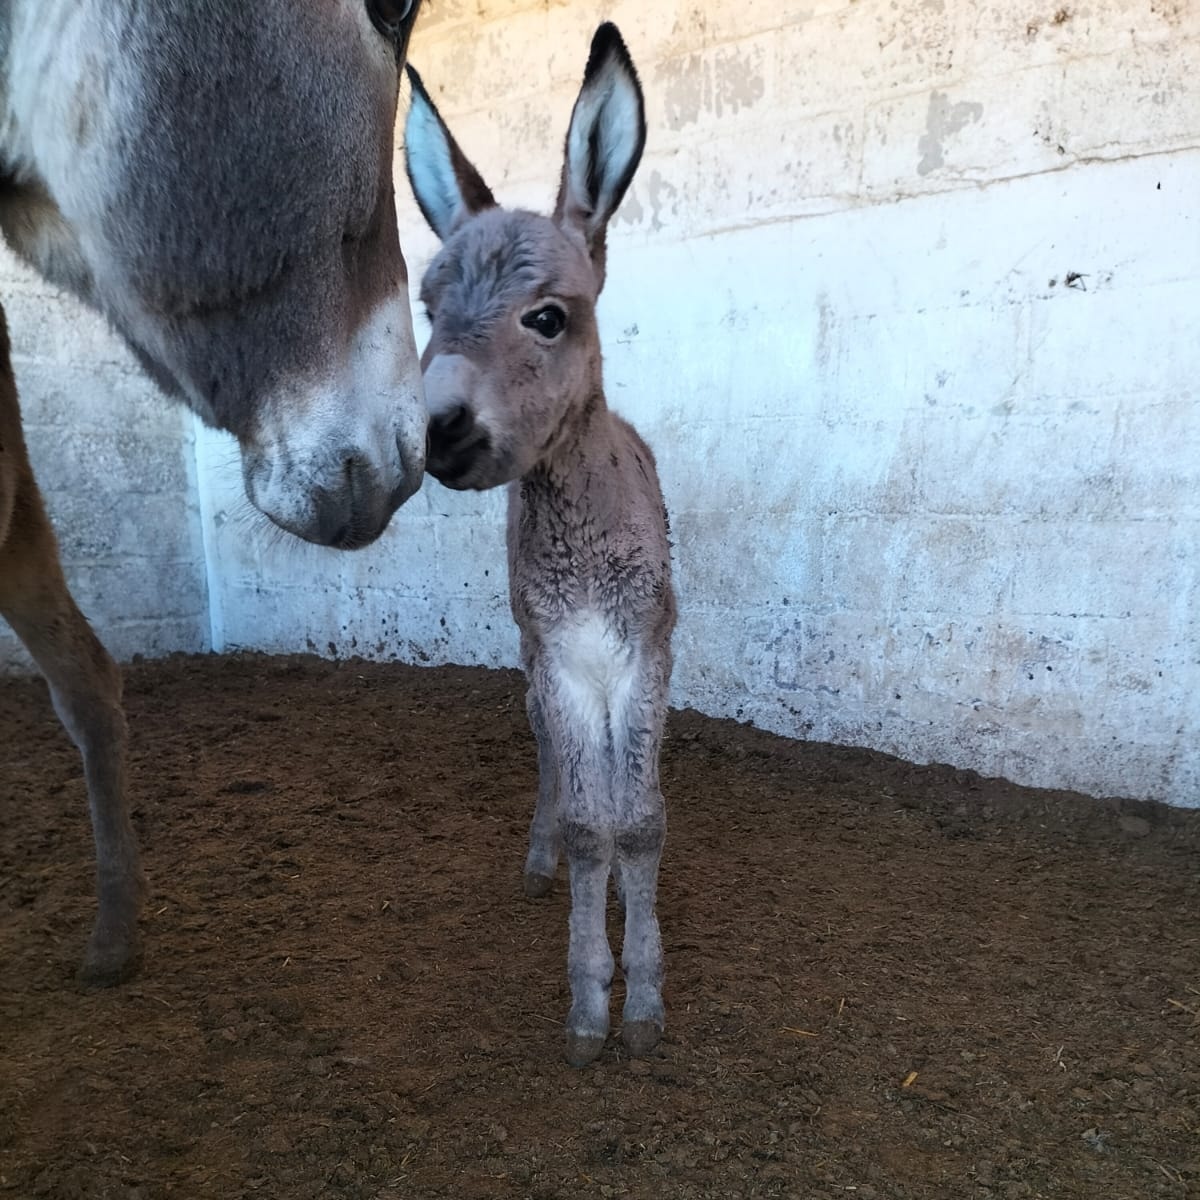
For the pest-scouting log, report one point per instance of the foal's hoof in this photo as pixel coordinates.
(537, 885)
(583, 1048)
(640, 1037)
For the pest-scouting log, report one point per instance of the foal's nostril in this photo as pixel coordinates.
(455, 424)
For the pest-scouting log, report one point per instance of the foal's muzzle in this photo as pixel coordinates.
(457, 442)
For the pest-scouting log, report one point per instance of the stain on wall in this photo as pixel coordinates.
(943, 121)
(721, 85)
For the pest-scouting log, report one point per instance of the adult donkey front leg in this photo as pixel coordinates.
(216, 179)
(85, 685)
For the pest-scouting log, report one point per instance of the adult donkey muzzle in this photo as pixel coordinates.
(344, 499)
(357, 512)
(332, 457)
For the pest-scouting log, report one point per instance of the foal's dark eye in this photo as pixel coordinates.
(549, 321)
(389, 15)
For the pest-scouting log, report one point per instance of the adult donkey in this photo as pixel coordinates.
(216, 179)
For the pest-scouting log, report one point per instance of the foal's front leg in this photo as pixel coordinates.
(585, 823)
(589, 847)
(641, 826)
(639, 849)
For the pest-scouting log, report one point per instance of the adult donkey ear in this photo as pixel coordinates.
(447, 187)
(604, 141)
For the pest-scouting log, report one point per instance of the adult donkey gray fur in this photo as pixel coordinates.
(216, 179)
(513, 383)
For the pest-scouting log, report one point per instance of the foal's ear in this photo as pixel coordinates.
(604, 141)
(447, 187)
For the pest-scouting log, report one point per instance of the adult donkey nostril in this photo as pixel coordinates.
(355, 511)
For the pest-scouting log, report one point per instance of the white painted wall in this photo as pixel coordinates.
(927, 496)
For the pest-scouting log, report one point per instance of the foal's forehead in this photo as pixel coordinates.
(502, 256)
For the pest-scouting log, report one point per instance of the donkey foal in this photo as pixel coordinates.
(514, 388)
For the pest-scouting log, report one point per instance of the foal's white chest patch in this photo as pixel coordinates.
(593, 668)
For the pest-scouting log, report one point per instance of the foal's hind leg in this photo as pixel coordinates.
(85, 686)
(639, 849)
(544, 838)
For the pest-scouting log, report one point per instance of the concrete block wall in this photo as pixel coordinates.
(117, 467)
(905, 296)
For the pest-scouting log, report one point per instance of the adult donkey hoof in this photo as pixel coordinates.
(112, 956)
(537, 885)
(640, 1037)
(108, 965)
(583, 1048)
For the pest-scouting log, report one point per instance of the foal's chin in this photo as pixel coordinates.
(480, 474)
(464, 483)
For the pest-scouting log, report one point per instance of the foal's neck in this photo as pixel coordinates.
(572, 474)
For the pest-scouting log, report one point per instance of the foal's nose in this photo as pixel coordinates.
(448, 428)
(457, 441)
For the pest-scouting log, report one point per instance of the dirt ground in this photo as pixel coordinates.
(883, 980)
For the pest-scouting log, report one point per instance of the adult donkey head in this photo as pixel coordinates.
(217, 179)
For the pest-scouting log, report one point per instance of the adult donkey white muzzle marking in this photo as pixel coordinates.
(332, 459)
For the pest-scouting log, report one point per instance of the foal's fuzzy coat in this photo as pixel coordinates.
(513, 383)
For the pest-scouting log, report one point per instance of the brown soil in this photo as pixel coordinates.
(883, 980)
